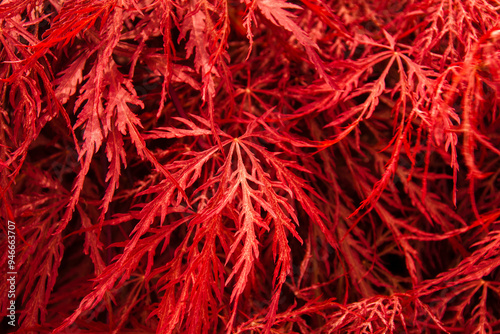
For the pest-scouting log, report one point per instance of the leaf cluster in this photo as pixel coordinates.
(257, 166)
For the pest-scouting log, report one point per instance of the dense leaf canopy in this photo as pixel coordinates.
(257, 166)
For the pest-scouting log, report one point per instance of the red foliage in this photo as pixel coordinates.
(251, 167)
